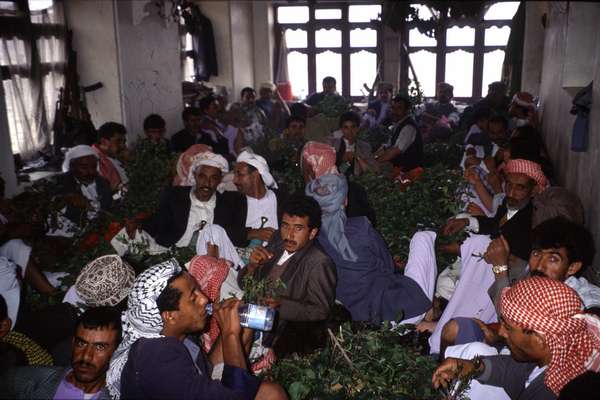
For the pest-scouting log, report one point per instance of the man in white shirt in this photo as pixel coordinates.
(255, 182)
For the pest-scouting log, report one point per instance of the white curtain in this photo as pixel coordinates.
(36, 74)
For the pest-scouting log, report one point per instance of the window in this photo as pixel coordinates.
(32, 63)
(468, 55)
(336, 39)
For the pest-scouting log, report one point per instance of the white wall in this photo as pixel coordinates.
(263, 41)
(576, 171)
(95, 42)
(150, 65)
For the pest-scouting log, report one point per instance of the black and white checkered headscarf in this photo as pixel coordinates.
(141, 319)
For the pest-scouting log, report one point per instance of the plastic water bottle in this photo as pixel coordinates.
(253, 316)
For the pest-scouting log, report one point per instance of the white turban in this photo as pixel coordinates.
(76, 152)
(210, 159)
(258, 162)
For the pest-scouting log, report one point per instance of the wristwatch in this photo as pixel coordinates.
(498, 269)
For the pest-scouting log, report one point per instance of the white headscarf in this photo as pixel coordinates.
(141, 319)
(258, 162)
(207, 158)
(76, 152)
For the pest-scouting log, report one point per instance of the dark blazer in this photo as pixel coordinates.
(310, 279)
(35, 383)
(503, 371)
(183, 140)
(163, 368)
(66, 185)
(168, 225)
(516, 231)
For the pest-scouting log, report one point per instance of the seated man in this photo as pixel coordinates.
(319, 159)
(157, 360)
(550, 339)
(294, 129)
(295, 257)
(438, 118)
(83, 191)
(183, 208)
(254, 120)
(110, 147)
(212, 130)
(512, 222)
(405, 148)
(329, 89)
(192, 133)
(273, 105)
(378, 110)
(522, 111)
(255, 182)
(154, 130)
(353, 156)
(561, 250)
(97, 335)
(368, 283)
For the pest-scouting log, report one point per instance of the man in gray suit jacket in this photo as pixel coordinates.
(309, 275)
(97, 335)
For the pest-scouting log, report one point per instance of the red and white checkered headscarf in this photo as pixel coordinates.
(553, 309)
(529, 168)
(210, 273)
(320, 157)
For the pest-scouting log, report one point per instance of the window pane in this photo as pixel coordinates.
(423, 11)
(363, 38)
(292, 15)
(424, 64)
(363, 13)
(8, 6)
(492, 67)
(37, 5)
(328, 38)
(459, 72)
(363, 68)
(188, 42)
(188, 69)
(328, 13)
(456, 36)
(329, 64)
(502, 10)
(497, 36)
(416, 38)
(298, 72)
(295, 38)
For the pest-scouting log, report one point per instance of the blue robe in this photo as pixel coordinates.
(371, 288)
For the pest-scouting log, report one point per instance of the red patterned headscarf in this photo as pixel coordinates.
(529, 168)
(554, 310)
(320, 157)
(184, 163)
(210, 273)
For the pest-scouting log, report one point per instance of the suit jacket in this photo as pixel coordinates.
(516, 231)
(66, 185)
(310, 279)
(35, 383)
(168, 225)
(503, 371)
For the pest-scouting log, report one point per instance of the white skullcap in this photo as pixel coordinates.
(76, 152)
(258, 162)
(210, 159)
(268, 85)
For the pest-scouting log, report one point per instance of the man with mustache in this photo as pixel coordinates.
(308, 273)
(524, 179)
(183, 209)
(97, 336)
(82, 189)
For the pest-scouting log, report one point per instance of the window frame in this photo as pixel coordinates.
(342, 24)
(478, 49)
